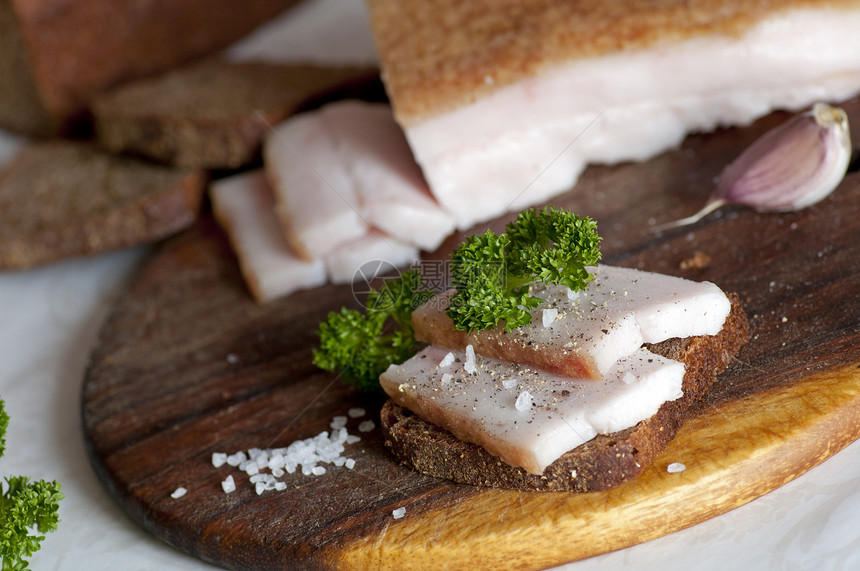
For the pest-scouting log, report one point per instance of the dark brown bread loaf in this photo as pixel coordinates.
(209, 115)
(604, 462)
(56, 54)
(61, 198)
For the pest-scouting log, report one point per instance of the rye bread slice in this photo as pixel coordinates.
(604, 462)
(55, 55)
(63, 198)
(211, 115)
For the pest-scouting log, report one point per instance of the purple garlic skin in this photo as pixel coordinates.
(792, 166)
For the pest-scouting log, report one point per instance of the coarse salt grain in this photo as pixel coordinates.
(572, 295)
(628, 378)
(228, 485)
(356, 412)
(509, 383)
(446, 378)
(219, 459)
(470, 360)
(178, 493)
(548, 316)
(366, 426)
(675, 467)
(524, 401)
(398, 513)
(447, 360)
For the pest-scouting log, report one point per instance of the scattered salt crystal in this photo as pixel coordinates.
(260, 487)
(236, 459)
(281, 486)
(366, 426)
(572, 295)
(350, 463)
(509, 383)
(352, 439)
(318, 471)
(524, 401)
(628, 377)
(338, 422)
(251, 468)
(398, 513)
(470, 360)
(548, 316)
(447, 360)
(675, 467)
(446, 378)
(178, 493)
(276, 460)
(573, 473)
(356, 412)
(228, 485)
(219, 459)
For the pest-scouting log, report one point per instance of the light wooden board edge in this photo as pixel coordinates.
(737, 452)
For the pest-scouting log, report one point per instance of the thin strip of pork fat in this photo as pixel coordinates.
(390, 186)
(526, 417)
(316, 200)
(588, 331)
(370, 256)
(244, 206)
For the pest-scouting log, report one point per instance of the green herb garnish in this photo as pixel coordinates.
(361, 345)
(491, 274)
(25, 507)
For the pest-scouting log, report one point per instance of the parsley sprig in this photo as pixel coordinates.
(491, 274)
(361, 345)
(25, 507)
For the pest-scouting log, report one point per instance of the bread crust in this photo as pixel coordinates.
(601, 463)
(442, 54)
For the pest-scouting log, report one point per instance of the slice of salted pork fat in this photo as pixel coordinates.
(371, 255)
(244, 206)
(392, 193)
(582, 334)
(346, 167)
(526, 417)
(315, 200)
(504, 105)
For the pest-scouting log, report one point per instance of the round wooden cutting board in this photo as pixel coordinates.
(187, 365)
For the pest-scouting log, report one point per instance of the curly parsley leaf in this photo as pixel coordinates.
(361, 345)
(491, 273)
(25, 507)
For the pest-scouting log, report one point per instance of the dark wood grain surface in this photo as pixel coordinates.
(187, 365)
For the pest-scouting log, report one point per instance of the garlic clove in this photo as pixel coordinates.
(790, 167)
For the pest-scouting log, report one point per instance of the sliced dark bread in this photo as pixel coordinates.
(55, 55)
(604, 462)
(211, 115)
(63, 198)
